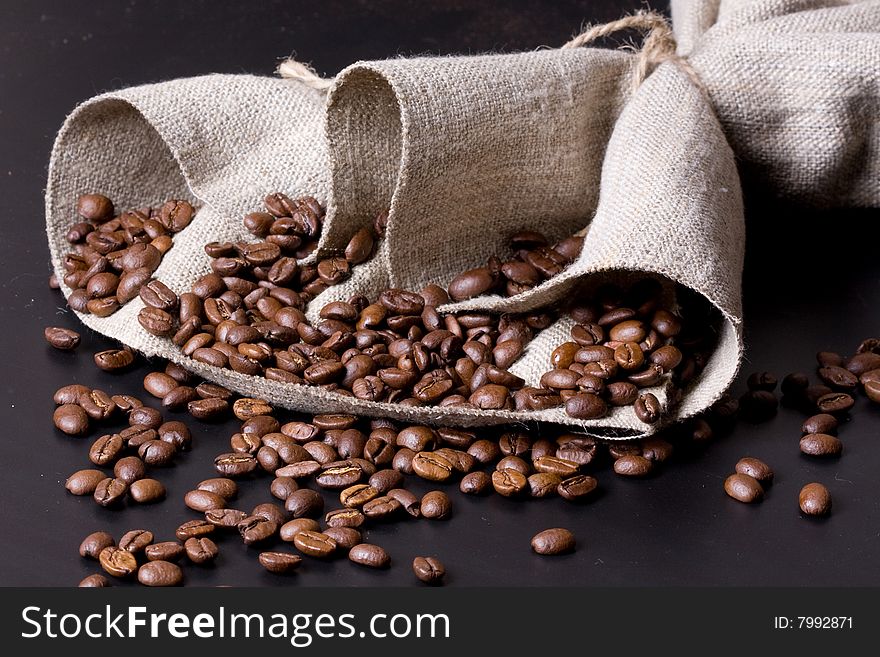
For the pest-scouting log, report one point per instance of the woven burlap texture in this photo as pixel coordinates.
(466, 150)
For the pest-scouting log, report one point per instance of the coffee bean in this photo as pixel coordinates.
(432, 466)
(761, 381)
(203, 500)
(84, 482)
(382, 507)
(872, 390)
(97, 404)
(407, 500)
(647, 408)
(576, 488)
(164, 551)
(177, 434)
(475, 483)
(69, 394)
(235, 464)
(149, 418)
(357, 495)
(194, 529)
(157, 452)
(633, 465)
(862, 363)
(157, 295)
(339, 476)
(815, 500)
(94, 581)
(110, 491)
(61, 338)
(71, 419)
(117, 562)
(429, 570)
(755, 468)
(129, 469)
(114, 360)
(345, 537)
(314, 544)
(201, 550)
(94, 207)
(225, 488)
(159, 384)
(246, 408)
(821, 444)
(255, 529)
(384, 480)
(436, 505)
(279, 563)
(305, 503)
(758, 406)
(835, 402)
(821, 423)
(838, 378)
(471, 284)
(147, 491)
(509, 482)
(160, 573)
(225, 518)
(136, 540)
(106, 449)
(293, 527)
(556, 465)
(369, 555)
(553, 541)
(94, 543)
(585, 406)
(543, 484)
(743, 488)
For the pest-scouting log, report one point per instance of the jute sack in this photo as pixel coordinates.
(633, 149)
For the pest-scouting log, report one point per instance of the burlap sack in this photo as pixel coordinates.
(466, 150)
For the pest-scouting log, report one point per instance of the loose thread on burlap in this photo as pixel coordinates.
(659, 44)
(290, 69)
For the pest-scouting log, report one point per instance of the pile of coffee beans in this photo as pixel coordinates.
(533, 262)
(147, 442)
(623, 341)
(112, 255)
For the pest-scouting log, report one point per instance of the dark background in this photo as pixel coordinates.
(811, 283)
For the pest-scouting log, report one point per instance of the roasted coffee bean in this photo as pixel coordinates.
(432, 466)
(156, 322)
(159, 384)
(815, 500)
(146, 491)
(160, 573)
(369, 555)
(84, 482)
(106, 449)
(194, 529)
(61, 338)
(556, 465)
(794, 384)
(338, 476)
(305, 503)
(177, 434)
(110, 491)
(821, 444)
(71, 419)
(97, 404)
(656, 449)
(314, 544)
(508, 482)
(761, 381)
(382, 507)
(157, 452)
(225, 488)
(514, 463)
(145, 416)
(345, 537)
(270, 511)
(384, 480)
(436, 505)
(69, 394)
(429, 570)
(94, 581)
(543, 484)
(755, 468)
(621, 393)
(293, 527)
(203, 500)
(357, 495)
(235, 464)
(279, 563)
(577, 487)
(475, 483)
(821, 423)
(117, 562)
(633, 465)
(471, 284)
(201, 550)
(255, 529)
(835, 402)
(872, 390)
(164, 551)
(647, 408)
(553, 541)
(407, 500)
(743, 488)
(758, 405)
(838, 378)
(96, 208)
(863, 362)
(129, 469)
(136, 540)
(225, 518)
(94, 543)
(585, 406)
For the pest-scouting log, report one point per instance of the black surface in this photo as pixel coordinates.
(812, 282)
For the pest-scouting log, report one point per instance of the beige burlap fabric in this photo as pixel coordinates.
(466, 150)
